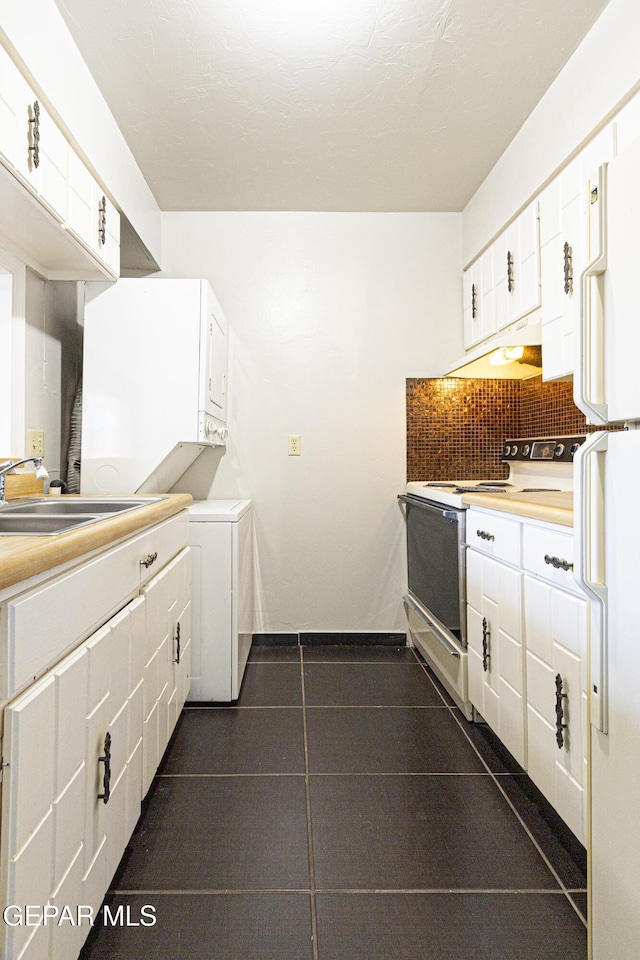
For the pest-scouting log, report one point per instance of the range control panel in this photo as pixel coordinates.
(554, 449)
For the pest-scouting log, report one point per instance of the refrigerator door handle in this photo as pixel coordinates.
(588, 385)
(589, 567)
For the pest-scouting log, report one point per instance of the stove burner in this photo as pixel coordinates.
(438, 483)
(496, 483)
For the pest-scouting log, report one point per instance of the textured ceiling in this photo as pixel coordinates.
(395, 105)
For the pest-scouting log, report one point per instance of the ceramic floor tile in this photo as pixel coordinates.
(387, 740)
(267, 653)
(449, 927)
(369, 684)
(420, 832)
(271, 685)
(490, 748)
(223, 740)
(208, 927)
(363, 653)
(219, 833)
(565, 853)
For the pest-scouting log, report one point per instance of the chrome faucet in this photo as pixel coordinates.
(5, 468)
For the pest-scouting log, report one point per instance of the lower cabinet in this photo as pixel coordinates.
(495, 658)
(526, 631)
(80, 748)
(556, 698)
(167, 659)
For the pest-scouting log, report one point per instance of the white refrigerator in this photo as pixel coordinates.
(607, 529)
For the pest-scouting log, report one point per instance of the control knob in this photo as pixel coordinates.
(526, 449)
(574, 449)
(514, 449)
(559, 450)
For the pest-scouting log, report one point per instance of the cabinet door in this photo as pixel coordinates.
(164, 679)
(494, 631)
(517, 268)
(42, 157)
(555, 641)
(43, 790)
(13, 130)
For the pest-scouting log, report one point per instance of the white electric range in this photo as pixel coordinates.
(436, 602)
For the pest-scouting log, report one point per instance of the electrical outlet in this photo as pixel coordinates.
(35, 443)
(294, 444)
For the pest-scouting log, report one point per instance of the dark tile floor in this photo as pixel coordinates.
(344, 810)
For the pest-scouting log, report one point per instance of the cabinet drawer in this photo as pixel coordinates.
(549, 555)
(494, 535)
(39, 626)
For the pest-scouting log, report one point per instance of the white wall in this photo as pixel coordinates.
(601, 74)
(329, 314)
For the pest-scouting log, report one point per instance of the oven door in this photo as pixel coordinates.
(436, 603)
(436, 562)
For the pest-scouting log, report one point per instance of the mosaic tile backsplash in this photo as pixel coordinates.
(455, 427)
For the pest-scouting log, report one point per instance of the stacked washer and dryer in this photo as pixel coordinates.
(154, 398)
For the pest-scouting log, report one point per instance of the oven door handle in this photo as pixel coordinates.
(451, 650)
(431, 507)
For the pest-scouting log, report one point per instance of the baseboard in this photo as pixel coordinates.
(323, 638)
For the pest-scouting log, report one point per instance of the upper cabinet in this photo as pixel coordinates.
(563, 241)
(52, 211)
(517, 268)
(503, 284)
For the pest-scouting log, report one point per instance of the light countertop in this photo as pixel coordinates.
(24, 557)
(555, 507)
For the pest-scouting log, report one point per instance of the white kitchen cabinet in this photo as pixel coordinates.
(564, 254)
(167, 655)
(517, 268)
(40, 216)
(72, 750)
(93, 220)
(555, 638)
(478, 300)
(556, 685)
(627, 124)
(495, 651)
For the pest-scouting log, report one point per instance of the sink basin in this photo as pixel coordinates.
(71, 508)
(42, 518)
(26, 526)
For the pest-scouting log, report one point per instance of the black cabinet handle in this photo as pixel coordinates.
(557, 563)
(34, 148)
(106, 780)
(102, 221)
(560, 726)
(568, 268)
(177, 639)
(486, 635)
(510, 274)
(484, 535)
(474, 301)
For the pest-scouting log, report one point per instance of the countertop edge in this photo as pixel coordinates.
(25, 557)
(521, 508)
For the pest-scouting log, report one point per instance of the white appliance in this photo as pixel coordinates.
(221, 542)
(607, 389)
(541, 471)
(154, 382)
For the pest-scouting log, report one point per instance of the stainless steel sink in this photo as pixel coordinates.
(26, 526)
(69, 508)
(47, 516)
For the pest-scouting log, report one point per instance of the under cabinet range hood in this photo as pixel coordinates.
(514, 354)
